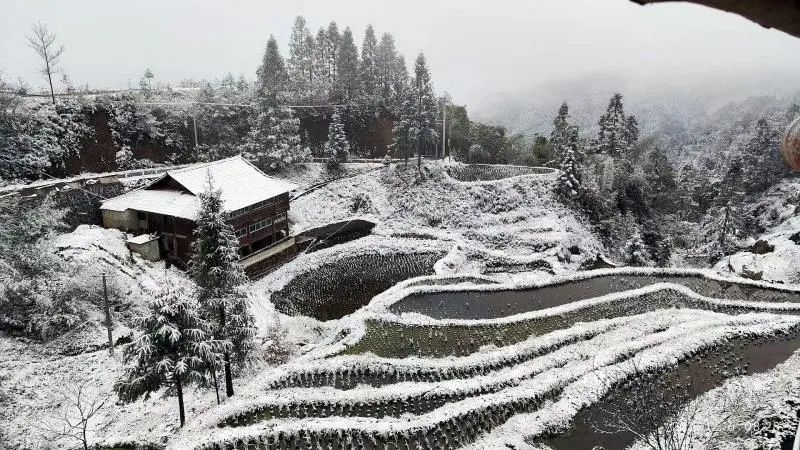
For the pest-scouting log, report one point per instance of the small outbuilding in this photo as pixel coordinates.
(167, 208)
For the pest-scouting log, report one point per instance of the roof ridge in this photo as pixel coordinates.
(205, 164)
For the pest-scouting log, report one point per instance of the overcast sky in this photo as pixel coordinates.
(474, 47)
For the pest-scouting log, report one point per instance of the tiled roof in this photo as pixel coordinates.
(241, 183)
(167, 202)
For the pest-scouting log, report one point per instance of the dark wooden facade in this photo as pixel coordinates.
(258, 227)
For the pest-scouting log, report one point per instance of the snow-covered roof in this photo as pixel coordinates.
(142, 239)
(158, 201)
(241, 184)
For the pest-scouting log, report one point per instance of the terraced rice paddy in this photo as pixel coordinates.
(548, 365)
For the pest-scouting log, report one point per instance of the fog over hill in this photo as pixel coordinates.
(662, 104)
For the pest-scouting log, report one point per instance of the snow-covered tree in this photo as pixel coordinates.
(386, 68)
(43, 42)
(569, 182)
(368, 76)
(173, 350)
(333, 41)
(148, 75)
(560, 135)
(301, 59)
(635, 252)
(274, 140)
(346, 83)
(337, 148)
(416, 128)
(618, 133)
(270, 76)
(220, 278)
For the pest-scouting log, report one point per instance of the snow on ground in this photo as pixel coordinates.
(777, 212)
(515, 220)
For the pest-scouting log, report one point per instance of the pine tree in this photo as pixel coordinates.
(337, 148)
(367, 73)
(346, 84)
(173, 351)
(220, 277)
(618, 133)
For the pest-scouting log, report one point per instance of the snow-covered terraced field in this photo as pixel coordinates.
(531, 378)
(491, 172)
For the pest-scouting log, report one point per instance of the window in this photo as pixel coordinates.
(241, 232)
(260, 225)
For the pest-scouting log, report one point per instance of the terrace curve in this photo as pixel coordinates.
(492, 172)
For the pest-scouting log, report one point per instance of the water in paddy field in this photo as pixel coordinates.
(494, 304)
(663, 394)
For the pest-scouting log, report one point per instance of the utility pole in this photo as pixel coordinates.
(194, 125)
(108, 317)
(444, 126)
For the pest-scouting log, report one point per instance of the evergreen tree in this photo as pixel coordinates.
(660, 180)
(337, 148)
(386, 68)
(368, 76)
(569, 182)
(220, 277)
(618, 133)
(560, 137)
(346, 84)
(321, 86)
(301, 56)
(274, 140)
(173, 351)
(635, 252)
(271, 76)
(334, 43)
(425, 107)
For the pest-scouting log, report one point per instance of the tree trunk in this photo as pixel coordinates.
(180, 400)
(214, 377)
(50, 80)
(228, 377)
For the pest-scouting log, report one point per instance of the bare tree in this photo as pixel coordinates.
(44, 43)
(72, 420)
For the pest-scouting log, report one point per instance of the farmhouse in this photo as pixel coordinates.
(167, 208)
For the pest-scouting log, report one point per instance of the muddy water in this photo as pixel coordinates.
(649, 399)
(489, 305)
